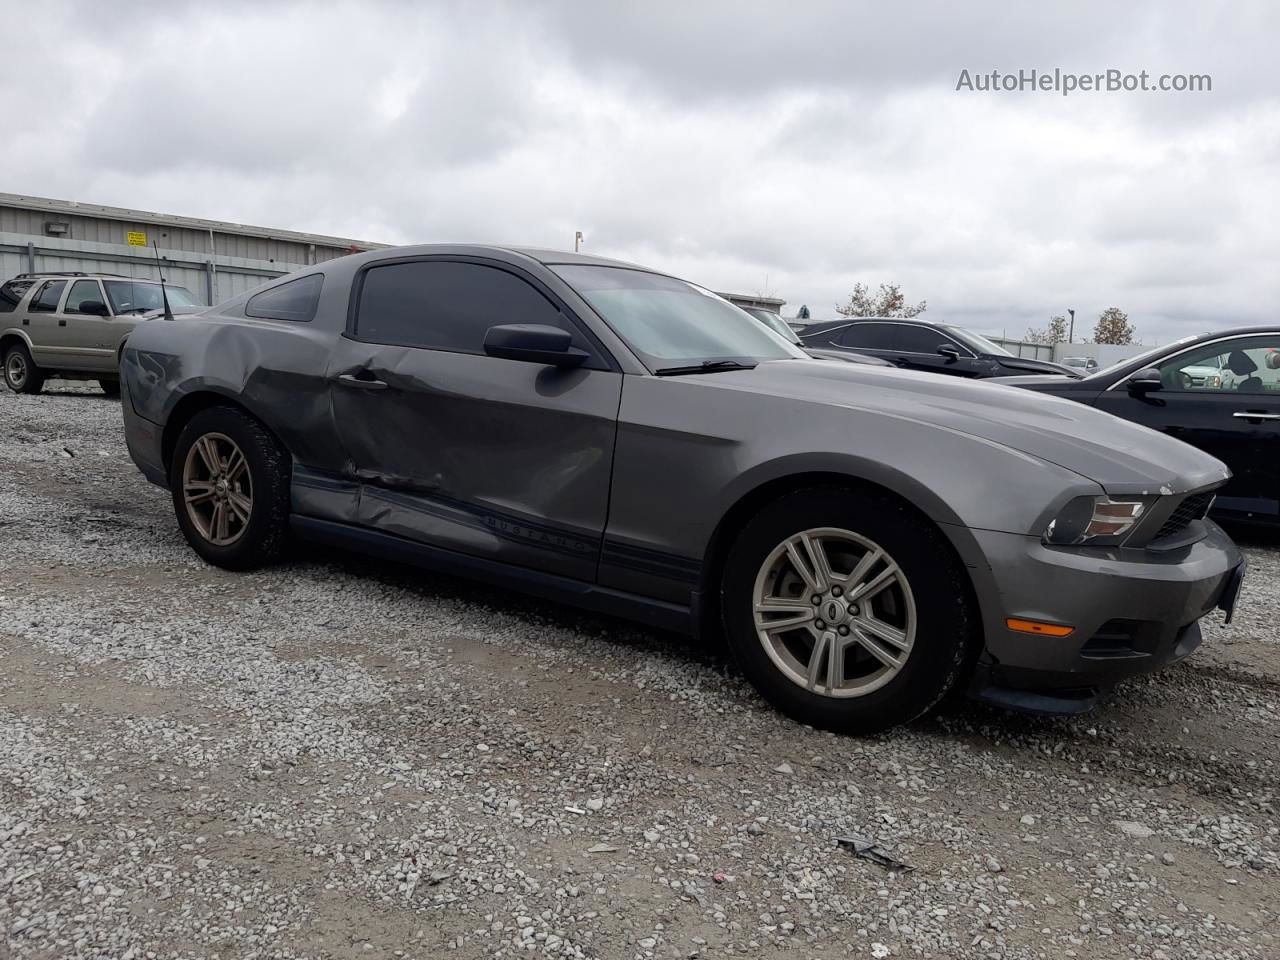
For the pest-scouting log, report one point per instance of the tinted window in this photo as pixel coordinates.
(295, 300)
(11, 294)
(443, 305)
(1244, 365)
(913, 339)
(869, 336)
(81, 291)
(46, 301)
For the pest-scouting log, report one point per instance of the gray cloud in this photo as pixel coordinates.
(747, 146)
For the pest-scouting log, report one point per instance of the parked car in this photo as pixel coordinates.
(596, 432)
(72, 325)
(782, 329)
(1218, 391)
(921, 345)
(1087, 364)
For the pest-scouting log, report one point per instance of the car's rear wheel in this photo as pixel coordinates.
(110, 387)
(230, 483)
(21, 375)
(847, 610)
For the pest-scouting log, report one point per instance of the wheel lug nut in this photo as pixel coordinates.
(836, 591)
(815, 599)
(843, 630)
(820, 625)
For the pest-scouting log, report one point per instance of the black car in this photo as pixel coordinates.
(1218, 391)
(921, 345)
(784, 330)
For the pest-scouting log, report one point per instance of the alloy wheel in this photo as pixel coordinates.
(834, 612)
(217, 489)
(15, 370)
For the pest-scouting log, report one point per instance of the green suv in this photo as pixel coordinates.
(73, 325)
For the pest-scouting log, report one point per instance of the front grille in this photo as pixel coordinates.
(1193, 507)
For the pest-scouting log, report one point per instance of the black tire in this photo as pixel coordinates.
(110, 387)
(265, 535)
(21, 375)
(946, 617)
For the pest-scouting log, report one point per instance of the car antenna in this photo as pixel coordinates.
(168, 314)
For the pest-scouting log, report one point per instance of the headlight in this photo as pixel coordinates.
(1213, 381)
(1095, 522)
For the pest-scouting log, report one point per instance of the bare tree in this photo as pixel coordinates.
(888, 301)
(1055, 332)
(1113, 327)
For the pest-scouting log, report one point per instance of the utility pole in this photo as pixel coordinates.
(1071, 336)
(577, 240)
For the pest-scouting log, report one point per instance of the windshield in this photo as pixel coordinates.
(978, 342)
(668, 321)
(129, 296)
(774, 323)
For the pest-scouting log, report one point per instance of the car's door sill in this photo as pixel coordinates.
(578, 593)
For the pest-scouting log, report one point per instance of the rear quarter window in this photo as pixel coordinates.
(11, 294)
(295, 301)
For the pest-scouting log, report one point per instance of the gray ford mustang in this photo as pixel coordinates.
(866, 538)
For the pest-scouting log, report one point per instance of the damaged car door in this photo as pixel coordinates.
(507, 459)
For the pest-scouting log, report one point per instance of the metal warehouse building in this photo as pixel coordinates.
(212, 259)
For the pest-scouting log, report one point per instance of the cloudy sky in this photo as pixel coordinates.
(789, 149)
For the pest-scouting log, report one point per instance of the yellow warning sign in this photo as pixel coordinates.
(137, 238)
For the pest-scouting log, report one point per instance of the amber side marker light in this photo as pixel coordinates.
(1036, 627)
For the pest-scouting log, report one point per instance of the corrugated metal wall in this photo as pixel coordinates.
(95, 240)
(230, 276)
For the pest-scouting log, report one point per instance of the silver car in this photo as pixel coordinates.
(72, 325)
(865, 538)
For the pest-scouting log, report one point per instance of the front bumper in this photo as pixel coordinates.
(1132, 612)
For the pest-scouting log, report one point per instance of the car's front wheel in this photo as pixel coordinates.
(21, 375)
(847, 610)
(230, 483)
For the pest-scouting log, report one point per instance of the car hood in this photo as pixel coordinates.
(1123, 457)
(1043, 381)
(1037, 366)
(176, 311)
(845, 356)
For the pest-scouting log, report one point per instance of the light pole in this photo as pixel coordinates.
(577, 240)
(1071, 336)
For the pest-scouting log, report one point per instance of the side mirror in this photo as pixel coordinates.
(94, 308)
(950, 352)
(1145, 381)
(534, 343)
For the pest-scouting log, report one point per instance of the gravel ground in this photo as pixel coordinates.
(337, 758)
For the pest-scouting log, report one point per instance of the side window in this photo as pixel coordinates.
(445, 305)
(81, 291)
(1245, 365)
(295, 300)
(869, 336)
(11, 294)
(914, 339)
(46, 301)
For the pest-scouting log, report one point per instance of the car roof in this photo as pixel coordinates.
(540, 254)
(80, 275)
(845, 321)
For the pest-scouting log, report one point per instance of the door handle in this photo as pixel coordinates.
(1255, 415)
(62, 323)
(351, 380)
